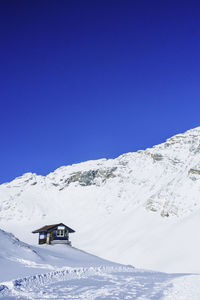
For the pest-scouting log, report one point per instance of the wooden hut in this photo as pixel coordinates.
(54, 234)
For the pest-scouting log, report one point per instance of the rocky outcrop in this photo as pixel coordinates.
(91, 177)
(194, 171)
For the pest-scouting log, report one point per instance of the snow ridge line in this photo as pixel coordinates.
(60, 275)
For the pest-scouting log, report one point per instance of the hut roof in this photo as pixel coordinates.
(47, 228)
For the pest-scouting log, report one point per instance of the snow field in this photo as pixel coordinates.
(63, 272)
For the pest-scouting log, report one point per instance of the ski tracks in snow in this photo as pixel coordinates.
(103, 283)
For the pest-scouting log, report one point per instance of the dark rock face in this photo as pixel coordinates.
(194, 171)
(157, 156)
(87, 178)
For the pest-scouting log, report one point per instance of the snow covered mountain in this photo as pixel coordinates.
(141, 208)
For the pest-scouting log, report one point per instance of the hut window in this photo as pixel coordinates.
(60, 232)
(42, 235)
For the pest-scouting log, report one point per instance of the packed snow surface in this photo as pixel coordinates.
(103, 283)
(141, 208)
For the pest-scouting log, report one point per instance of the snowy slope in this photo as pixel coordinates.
(18, 259)
(62, 272)
(144, 205)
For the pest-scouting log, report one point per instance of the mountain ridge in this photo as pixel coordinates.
(122, 199)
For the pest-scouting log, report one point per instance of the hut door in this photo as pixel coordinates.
(48, 238)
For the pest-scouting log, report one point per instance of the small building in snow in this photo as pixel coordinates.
(54, 234)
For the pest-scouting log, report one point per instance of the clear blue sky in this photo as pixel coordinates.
(83, 80)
